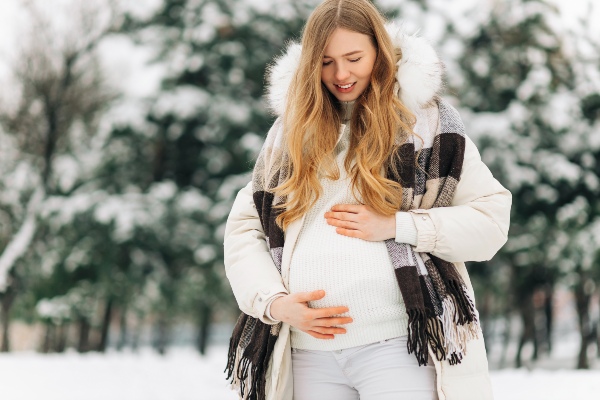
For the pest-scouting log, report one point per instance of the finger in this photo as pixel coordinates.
(319, 335)
(303, 297)
(335, 321)
(350, 232)
(342, 224)
(328, 311)
(351, 208)
(328, 330)
(342, 216)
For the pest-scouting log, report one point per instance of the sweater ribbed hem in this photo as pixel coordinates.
(406, 230)
(355, 336)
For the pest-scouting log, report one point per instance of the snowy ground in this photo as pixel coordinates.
(180, 375)
(184, 375)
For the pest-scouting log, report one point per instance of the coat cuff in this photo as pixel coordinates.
(426, 233)
(406, 230)
(263, 300)
(268, 315)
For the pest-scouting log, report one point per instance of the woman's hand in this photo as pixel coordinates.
(360, 221)
(317, 322)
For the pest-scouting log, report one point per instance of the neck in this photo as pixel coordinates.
(346, 108)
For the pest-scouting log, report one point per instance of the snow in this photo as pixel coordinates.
(54, 308)
(141, 9)
(131, 210)
(577, 210)
(557, 167)
(180, 375)
(184, 102)
(129, 66)
(22, 239)
(547, 385)
(184, 375)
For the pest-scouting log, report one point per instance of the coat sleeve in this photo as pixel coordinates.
(475, 226)
(249, 267)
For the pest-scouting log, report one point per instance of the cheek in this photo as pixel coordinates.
(325, 80)
(367, 70)
(324, 76)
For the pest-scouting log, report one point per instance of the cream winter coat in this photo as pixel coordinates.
(473, 228)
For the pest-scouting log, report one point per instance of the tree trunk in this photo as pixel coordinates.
(486, 320)
(105, 330)
(122, 328)
(5, 334)
(136, 333)
(505, 338)
(203, 328)
(162, 335)
(7, 299)
(598, 333)
(48, 338)
(61, 338)
(528, 331)
(582, 301)
(549, 314)
(84, 335)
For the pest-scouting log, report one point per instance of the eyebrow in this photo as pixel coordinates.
(347, 54)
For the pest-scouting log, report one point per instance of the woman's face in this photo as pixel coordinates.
(347, 64)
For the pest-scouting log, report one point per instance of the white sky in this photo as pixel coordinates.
(127, 62)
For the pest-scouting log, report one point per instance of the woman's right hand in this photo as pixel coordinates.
(317, 322)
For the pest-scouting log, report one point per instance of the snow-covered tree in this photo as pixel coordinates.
(528, 93)
(50, 111)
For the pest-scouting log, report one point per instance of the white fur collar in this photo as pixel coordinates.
(419, 75)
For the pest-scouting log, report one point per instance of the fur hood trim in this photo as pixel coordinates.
(419, 76)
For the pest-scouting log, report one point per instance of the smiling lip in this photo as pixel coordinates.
(347, 90)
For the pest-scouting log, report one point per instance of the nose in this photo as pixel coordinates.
(341, 73)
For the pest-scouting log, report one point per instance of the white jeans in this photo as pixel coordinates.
(378, 371)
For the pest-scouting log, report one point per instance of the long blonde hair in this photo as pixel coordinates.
(379, 124)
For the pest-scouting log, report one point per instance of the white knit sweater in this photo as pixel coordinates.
(353, 272)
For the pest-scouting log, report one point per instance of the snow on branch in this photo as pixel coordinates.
(21, 241)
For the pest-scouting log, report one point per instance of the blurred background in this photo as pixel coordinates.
(127, 128)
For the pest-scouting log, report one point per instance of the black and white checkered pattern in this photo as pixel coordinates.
(441, 313)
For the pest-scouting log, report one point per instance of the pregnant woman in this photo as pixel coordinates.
(346, 251)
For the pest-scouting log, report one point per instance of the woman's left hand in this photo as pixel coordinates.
(360, 221)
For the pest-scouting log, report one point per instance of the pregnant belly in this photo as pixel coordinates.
(363, 279)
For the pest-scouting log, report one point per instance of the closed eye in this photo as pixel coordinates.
(353, 61)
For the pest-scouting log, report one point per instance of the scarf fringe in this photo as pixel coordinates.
(456, 335)
(417, 335)
(446, 334)
(246, 366)
(465, 310)
(436, 338)
(459, 320)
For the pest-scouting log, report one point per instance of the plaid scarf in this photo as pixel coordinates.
(441, 313)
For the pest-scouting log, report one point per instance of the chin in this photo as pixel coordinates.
(346, 97)
(352, 96)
